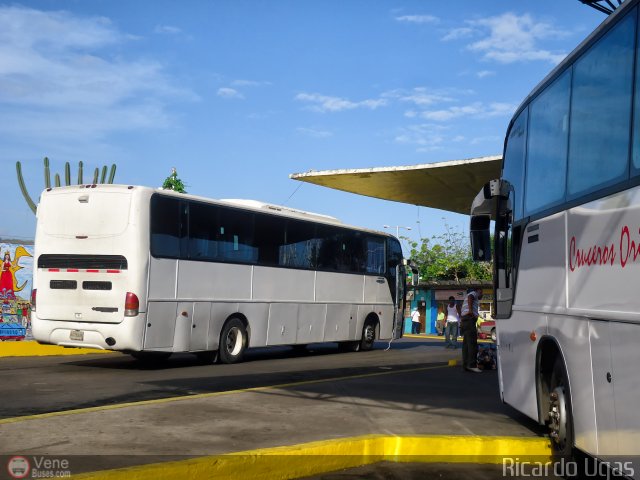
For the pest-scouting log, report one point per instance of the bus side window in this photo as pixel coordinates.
(167, 230)
(269, 236)
(375, 255)
(235, 236)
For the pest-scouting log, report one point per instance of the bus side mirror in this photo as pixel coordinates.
(480, 238)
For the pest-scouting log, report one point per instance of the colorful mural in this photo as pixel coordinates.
(16, 282)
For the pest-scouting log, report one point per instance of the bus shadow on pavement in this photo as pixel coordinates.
(443, 395)
(185, 360)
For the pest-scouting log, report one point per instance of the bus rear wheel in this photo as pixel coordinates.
(233, 341)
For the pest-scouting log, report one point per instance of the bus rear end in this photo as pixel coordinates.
(90, 267)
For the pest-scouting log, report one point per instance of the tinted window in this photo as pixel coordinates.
(547, 151)
(167, 232)
(635, 167)
(341, 250)
(300, 247)
(269, 237)
(515, 150)
(236, 235)
(601, 111)
(375, 255)
(220, 234)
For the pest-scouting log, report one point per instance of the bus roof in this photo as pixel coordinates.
(237, 203)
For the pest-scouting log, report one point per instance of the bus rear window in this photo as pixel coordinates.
(84, 212)
(98, 262)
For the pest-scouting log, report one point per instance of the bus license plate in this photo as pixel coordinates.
(77, 335)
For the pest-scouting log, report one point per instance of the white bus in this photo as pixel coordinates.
(151, 272)
(566, 247)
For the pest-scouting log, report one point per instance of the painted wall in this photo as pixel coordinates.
(436, 298)
(16, 282)
(421, 295)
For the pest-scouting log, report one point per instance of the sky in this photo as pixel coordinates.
(238, 94)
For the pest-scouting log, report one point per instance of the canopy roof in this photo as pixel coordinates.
(450, 185)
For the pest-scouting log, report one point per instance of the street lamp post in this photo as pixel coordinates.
(397, 227)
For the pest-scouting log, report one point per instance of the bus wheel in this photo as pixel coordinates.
(560, 416)
(151, 357)
(233, 341)
(368, 335)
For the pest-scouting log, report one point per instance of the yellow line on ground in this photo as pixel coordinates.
(30, 348)
(329, 455)
(157, 401)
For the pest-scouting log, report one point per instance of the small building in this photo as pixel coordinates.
(430, 297)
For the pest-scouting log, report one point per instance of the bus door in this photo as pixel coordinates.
(401, 295)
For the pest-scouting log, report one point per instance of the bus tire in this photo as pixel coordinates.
(233, 341)
(368, 335)
(151, 357)
(560, 414)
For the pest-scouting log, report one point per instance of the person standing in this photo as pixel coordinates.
(415, 322)
(469, 315)
(440, 323)
(451, 319)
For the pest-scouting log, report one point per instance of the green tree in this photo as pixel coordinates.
(448, 257)
(172, 182)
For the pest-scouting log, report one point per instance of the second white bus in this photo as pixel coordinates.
(151, 272)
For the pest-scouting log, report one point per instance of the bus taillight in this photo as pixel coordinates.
(33, 299)
(131, 305)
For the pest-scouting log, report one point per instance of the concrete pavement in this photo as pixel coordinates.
(431, 411)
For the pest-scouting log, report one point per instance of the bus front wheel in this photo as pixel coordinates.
(368, 336)
(560, 415)
(233, 341)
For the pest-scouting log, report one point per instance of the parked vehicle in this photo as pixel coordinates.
(487, 329)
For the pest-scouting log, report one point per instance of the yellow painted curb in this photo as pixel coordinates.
(329, 455)
(30, 348)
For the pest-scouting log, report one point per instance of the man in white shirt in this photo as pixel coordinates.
(451, 319)
(469, 311)
(415, 321)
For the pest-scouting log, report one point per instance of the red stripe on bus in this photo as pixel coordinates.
(74, 270)
(113, 271)
(93, 271)
(54, 269)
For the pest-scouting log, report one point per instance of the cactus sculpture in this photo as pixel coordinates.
(67, 178)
